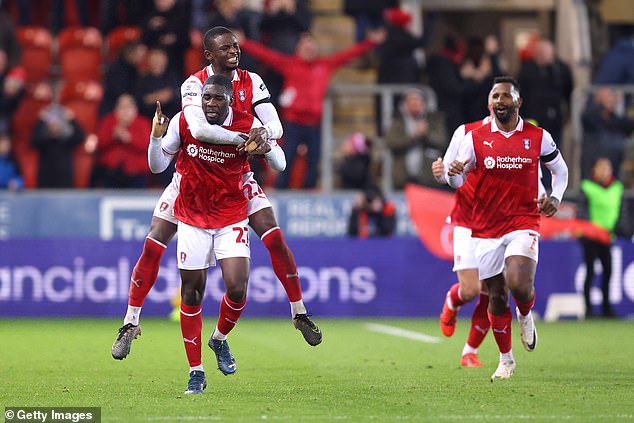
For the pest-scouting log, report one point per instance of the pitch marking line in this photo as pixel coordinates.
(403, 333)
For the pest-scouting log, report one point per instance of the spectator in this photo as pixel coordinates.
(167, 25)
(604, 206)
(283, 22)
(415, 139)
(10, 175)
(110, 13)
(477, 70)
(546, 84)
(397, 63)
(617, 67)
(368, 15)
(355, 168)
(122, 75)
(11, 90)
(233, 15)
(159, 83)
(9, 41)
(443, 70)
(372, 215)
(306, 77)
(55, 136)
(122, 147)
(604, 132)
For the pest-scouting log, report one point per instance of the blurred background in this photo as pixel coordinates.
(79, 80)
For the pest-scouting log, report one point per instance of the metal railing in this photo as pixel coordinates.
(387, 93)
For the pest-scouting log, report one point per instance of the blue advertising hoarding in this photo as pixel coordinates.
(340, 277)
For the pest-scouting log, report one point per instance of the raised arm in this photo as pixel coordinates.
(164, 141)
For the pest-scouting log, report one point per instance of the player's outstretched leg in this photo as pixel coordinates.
(479, 327)
(226, 362)
(197, 382)
(450, 308)
(123, 342)
(143, 278)
(285, 269)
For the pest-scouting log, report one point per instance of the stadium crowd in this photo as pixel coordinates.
(81, 63)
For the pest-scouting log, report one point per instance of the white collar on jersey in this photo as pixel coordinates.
(518, 128)
(235, 77)
(229, 118)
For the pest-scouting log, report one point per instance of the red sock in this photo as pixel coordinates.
(454, 294)
(527, 307)
(191, 327)
(145, 272)
(501, 326)
(479, 322)
(229, 314)
(283, 263)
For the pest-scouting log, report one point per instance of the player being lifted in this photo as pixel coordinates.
(503, 157)
(250, 95)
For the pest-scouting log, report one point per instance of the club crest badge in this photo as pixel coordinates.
(527, 143)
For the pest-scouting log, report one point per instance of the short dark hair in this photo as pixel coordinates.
(220, 80)
(213, 33)
(507, 80)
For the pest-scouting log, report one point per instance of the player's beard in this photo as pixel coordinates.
(508, 114)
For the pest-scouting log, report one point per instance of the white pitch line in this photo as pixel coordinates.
(403, 333)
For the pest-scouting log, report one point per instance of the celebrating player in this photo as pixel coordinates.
(504, 158)
(465, 266)
(212, 221)
(250, 95)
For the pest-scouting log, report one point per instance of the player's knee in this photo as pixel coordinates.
(236, 293)
(191, 296)
(469, 291)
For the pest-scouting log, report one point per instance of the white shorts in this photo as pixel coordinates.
(165, 206)
(463, 249)
(256, 198)
(491, 252)
(199, 248)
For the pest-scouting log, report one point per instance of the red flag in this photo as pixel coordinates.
(429, 208)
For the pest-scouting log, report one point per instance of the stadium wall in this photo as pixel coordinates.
(60, 259)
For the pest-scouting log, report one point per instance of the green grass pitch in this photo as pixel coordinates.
(580, 372)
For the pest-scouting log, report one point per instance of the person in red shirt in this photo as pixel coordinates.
(122, 147)
(306, 76)
(503, 158)
(212, 220)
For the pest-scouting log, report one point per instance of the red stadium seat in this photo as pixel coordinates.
(80, 53)
(119, 37)
(83, 99)
(37, 58)
(194, 59)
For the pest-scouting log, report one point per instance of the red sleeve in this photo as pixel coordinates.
(339, 59)
(278, 61)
